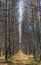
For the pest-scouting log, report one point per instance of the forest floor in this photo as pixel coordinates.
(19, 59)
(22, 59)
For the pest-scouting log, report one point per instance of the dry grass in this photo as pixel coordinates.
(20, 57)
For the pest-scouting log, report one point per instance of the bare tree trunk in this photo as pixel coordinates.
(6, 32)
(9, 32)
(0, 21)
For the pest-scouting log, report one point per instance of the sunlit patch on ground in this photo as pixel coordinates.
(22, 58)
(19, 58)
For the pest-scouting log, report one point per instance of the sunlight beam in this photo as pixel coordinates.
(20, 18)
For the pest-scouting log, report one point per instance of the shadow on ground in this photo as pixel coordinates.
(10, 63)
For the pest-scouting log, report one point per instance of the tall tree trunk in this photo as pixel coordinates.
(6, 31)
(9, 32)
(0, 21)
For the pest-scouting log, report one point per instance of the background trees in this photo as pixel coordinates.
(31, 28)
